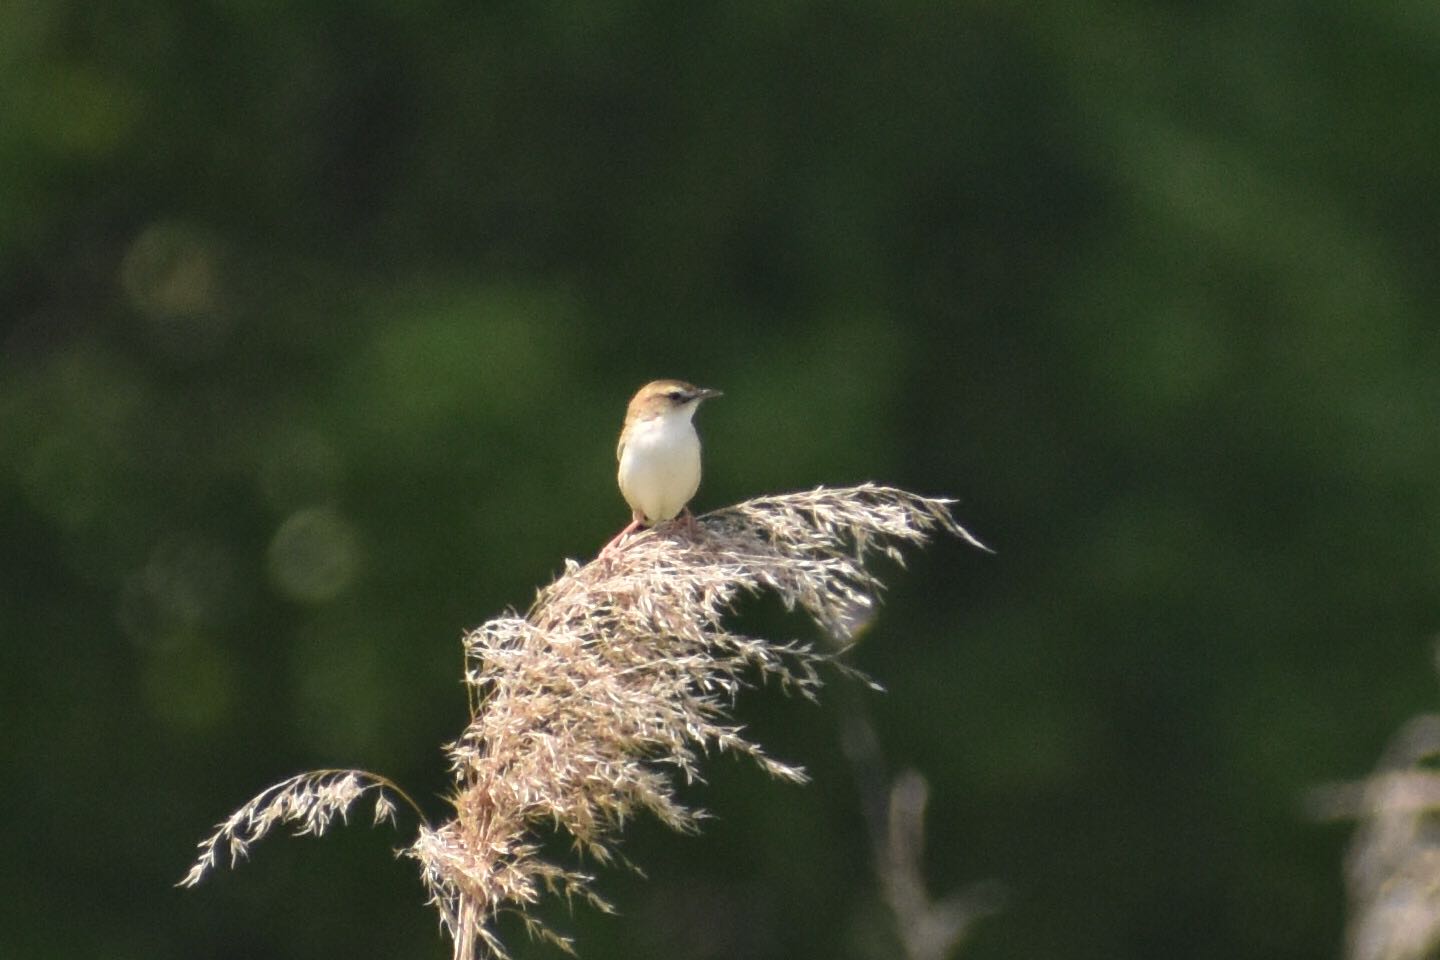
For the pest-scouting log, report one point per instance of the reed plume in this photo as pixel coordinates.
(1392, 865)
(594, 706)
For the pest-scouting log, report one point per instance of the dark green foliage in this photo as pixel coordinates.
(319, 320)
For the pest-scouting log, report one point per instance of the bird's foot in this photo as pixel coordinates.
(690, 525)
(619, 539)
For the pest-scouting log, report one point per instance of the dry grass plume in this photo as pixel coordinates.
(592, 708)
(1392, 867)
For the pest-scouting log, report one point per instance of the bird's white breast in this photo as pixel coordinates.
(660, 465)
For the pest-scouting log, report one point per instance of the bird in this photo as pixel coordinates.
(659, 452)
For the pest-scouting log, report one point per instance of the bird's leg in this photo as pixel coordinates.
(637, 523)
(691, 525)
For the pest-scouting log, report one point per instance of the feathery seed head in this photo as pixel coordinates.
(595, 705)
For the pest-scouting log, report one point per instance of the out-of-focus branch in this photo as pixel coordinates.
(928, 929)
(1392, 867)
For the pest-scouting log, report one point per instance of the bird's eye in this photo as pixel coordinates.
(676, 396)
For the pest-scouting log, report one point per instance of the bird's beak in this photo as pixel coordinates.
(704, 393)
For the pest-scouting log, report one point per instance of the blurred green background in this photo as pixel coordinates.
(319, 320)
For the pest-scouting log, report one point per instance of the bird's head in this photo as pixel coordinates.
(660, 398)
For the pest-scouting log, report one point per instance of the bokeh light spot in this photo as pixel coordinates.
(171, 277)
(314, 556)
(187, 583)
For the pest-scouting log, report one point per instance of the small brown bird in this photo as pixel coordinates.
(659, 451)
